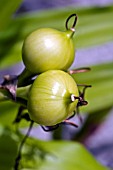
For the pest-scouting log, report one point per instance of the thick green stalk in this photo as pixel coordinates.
(21, 93)
(24, 78)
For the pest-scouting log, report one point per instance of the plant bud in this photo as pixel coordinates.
(52, 97)
(49, 49)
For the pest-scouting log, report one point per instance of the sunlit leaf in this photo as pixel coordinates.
(60, 155)
(45, 155)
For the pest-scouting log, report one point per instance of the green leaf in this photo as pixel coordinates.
(100, 95)
(45, 155)
(8, 149)
(60, 155)
(94, 27)
(7, 8)
(8, 112)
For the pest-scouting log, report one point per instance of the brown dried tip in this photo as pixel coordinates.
(10, 84)
(79, 70)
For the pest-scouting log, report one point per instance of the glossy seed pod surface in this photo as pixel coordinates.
(47, 49)
(49, 101)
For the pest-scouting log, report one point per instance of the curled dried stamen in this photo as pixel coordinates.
(81, 101)
(74, 23)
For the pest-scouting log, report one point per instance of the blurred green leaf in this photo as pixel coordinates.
(100, 95)
(8, 149)
(60, 155)
(7, 8)
(8, 112)
(45, 155)
(94, 27)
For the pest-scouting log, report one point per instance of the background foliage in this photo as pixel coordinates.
(94, 27)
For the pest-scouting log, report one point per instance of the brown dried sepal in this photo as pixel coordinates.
(10, 84)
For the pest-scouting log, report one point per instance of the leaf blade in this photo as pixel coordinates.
(6, 11)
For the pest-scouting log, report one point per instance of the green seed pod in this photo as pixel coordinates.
(48, 48)
(52, 97)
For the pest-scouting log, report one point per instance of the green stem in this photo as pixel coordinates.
(70, 33)
(24, 78)
(21, 93)
(18, 158)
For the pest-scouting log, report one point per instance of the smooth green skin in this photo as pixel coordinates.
(49, 100)
(47, 49)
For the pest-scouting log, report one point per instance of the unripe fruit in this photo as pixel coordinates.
(51, 97)
(47, 49)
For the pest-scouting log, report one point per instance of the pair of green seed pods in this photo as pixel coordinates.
(53, 95)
